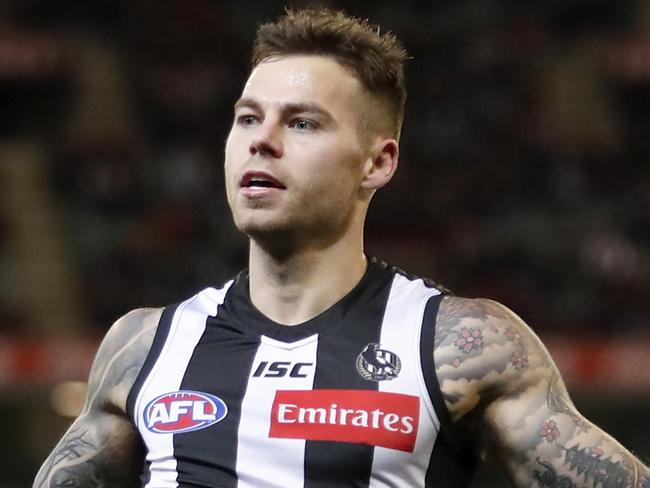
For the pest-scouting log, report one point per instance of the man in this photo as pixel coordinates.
(318, 366)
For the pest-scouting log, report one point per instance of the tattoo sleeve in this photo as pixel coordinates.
(491, 366)
(93, 453)
(102, 448)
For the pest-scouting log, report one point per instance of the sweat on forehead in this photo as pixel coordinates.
(304, 79)
(317, 85)
(313, 84)
(376, 59)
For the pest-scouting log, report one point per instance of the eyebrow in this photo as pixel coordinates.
(290, 108)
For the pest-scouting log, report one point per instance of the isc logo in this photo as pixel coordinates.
(183, 411)
(279, 369)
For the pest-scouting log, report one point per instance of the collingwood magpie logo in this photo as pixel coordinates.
(377, 364)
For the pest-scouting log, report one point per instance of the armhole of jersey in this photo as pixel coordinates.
(429, 370)
(162, 331)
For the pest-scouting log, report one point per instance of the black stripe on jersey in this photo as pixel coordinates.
(248, 317)
(146, 473)
(220, 365)
(428, 365)
(452, 464)
(160, 336)
(336, 369)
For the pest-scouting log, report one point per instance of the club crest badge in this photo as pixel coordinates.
(376, 364)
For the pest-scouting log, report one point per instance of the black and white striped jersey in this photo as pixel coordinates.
(229, 398)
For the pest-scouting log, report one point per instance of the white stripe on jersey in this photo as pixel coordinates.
(185, 331)
(264, 462)
(400, 334)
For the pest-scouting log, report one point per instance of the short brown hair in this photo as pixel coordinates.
(377, 60)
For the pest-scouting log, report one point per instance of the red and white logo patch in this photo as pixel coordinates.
(358, 416)
(183, 411)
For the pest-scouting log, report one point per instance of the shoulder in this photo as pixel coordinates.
(120, 357)
(134, 322)
(467, 322)
(481, 314)
(484, 351)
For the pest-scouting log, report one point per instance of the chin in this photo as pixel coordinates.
(280, 242)
(264, 229)
(288, 231)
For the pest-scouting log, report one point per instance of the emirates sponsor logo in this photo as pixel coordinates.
(358, 416)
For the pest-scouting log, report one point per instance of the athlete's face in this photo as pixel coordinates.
(295, 163)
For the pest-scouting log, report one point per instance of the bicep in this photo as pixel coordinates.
(102, 447)
(499, 380)
(99, 449)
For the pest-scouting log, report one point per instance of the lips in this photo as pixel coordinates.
(260, 179)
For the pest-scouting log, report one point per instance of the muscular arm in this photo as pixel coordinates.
(499, 381)
(101, 448)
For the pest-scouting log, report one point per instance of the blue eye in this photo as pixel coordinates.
(303, 124)
(246, 120)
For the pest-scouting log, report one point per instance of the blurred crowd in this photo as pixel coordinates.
(524, 170)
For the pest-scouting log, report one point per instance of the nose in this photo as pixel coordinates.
(267, 140)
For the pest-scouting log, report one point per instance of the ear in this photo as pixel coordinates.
(381, 164)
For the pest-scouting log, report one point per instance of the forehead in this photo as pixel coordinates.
(313, 79)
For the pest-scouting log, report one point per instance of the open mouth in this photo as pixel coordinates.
(261, 184)
(260, 179)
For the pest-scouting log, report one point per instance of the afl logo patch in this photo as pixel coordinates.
(376, 364)
(183, 411)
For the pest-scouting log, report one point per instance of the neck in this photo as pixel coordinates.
(294, 288)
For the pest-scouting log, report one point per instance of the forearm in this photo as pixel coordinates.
(73, 462)
(590, 458)
(101, 453)
(562, 448)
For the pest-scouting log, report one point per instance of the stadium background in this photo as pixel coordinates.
(524, 177)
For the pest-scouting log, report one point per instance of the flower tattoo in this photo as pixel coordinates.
(469, 339)
(549, 431)
(512, 335)
(520, 359)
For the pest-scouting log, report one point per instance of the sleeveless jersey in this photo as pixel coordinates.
(229, 398)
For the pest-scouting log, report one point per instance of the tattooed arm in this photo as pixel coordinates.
(501, 385)
(101, 448)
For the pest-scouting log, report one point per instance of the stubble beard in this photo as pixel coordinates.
(279, 241)
(285, 238)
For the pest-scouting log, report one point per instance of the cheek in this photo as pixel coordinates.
(230, 147)
(238, 141)
(348, 169)
(230, 158)
(340, 179)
